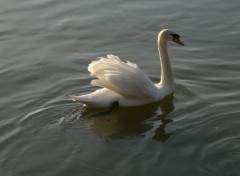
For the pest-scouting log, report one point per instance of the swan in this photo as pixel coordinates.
(125, 84)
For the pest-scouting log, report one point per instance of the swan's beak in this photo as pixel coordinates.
(177, 40)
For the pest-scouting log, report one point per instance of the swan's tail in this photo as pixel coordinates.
(75, 98)
(85, 100)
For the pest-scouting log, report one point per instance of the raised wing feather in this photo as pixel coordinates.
(125, 78)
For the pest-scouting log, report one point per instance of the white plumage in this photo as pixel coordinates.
(124, 78)
(125, 83)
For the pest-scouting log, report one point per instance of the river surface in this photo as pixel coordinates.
(45, 49)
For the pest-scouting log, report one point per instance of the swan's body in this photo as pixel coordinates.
(125, 83)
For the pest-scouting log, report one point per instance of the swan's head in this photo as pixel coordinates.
(169, 35)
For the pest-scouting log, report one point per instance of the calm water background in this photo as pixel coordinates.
(45, 49)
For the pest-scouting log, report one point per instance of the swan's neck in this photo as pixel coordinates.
(166, 70)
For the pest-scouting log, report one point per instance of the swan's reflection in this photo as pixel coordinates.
(130, 122)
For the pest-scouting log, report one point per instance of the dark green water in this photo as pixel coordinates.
(45, 49)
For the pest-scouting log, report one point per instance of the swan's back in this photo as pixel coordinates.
(124, 78)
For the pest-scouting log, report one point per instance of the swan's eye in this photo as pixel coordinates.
(175, 36)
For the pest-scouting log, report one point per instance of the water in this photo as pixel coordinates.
(45, 49)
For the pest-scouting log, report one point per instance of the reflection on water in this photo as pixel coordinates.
(129, 122)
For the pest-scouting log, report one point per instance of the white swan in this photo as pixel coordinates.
(124, 84)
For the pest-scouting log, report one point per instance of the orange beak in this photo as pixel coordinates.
(177, 40)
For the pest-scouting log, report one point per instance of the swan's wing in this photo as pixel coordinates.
(125, 78)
